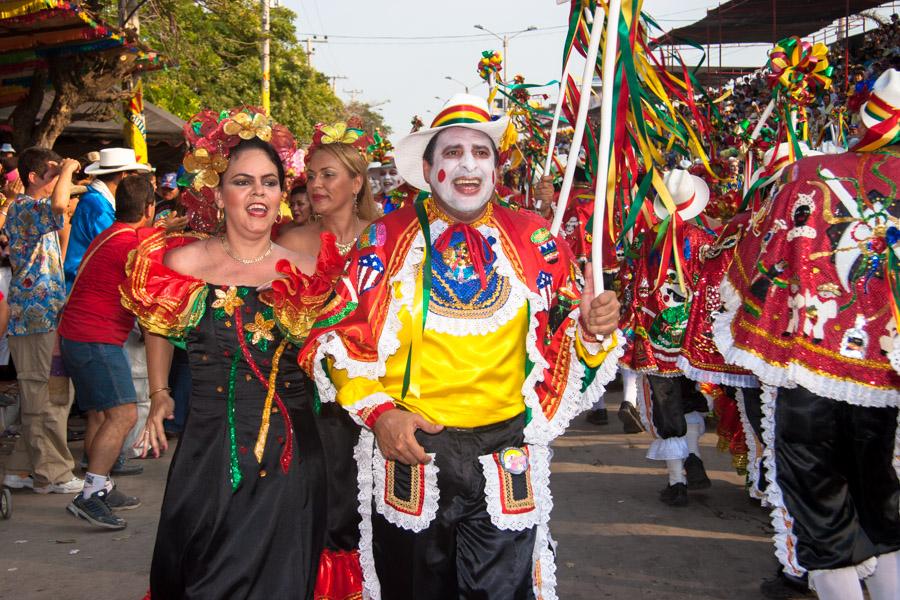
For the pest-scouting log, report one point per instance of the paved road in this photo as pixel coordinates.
(616, 541)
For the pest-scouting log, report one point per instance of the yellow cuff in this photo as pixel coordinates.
(594, 353)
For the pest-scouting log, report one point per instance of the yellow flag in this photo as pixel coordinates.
(135, 131)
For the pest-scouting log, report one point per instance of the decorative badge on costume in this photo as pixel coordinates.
(514, 460)
(371, 270)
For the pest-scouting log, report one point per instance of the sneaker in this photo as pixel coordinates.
(123, 468)
(73, 486)
(674, 495)
(116, 500)
(696, 474)
(631, 419)
(95, 511)
(18, 482)
(785, 587)
(598, 417)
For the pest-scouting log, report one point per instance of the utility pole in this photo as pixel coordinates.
(266, 91)
(353, 94)
(334, 79)
(309, 41)
(135, 128)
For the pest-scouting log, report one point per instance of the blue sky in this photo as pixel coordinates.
(406, 76)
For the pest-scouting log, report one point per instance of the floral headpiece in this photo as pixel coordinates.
(211, 137)
(340, 133)
(379, 148)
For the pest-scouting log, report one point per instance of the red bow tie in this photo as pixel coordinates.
(480, 251)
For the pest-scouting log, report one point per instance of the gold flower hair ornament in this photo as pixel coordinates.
(339, 133)
(211, 136)
(206, 167)
(248, 127)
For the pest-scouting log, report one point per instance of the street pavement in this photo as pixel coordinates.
(616, 540)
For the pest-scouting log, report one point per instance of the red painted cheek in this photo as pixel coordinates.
(441, 176)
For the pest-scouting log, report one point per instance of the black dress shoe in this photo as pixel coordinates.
(785, 587)
(598, 417)
(696, 474)
(631, 419)
(674, 495)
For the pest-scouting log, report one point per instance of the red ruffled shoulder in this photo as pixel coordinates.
(299, 299)
(165, 301)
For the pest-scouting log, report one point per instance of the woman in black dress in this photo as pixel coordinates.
(244, 509)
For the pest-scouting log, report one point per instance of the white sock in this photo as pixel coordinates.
(109, 485)
(93, 483)
(884, 584)
(695, 428)
(629, 386)
(676, 471)
(836, 584)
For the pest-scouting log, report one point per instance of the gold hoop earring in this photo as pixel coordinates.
(220, 215)
(278, 219)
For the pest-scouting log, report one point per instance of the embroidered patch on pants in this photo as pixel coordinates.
(509, 486)
(406, 496)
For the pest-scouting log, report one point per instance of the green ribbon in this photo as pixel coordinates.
(422, 216)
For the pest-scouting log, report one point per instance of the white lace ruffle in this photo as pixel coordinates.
(644, 406)
(782, 521)
(668, 449)
(414, 523)
(754, 451)
(331, 345)
(544, 554)
(607, 370)
(500, 317)
(364, 478)
(370, 401)
(894, 354)
(792, 374)
(715, 377)
(539, 472)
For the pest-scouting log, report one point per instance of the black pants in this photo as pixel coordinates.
(834, 467)
(674, 397)
(461, 554)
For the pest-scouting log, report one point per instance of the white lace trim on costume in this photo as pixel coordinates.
(668, 448)
(644, 406)
(894, 354)
(715, 377)
(503, 315)
(421, 513)
(782, 521)
(792, 374)
(544, 554)
(370, 401)
(538, 473)
(754, 451)
(363, 455)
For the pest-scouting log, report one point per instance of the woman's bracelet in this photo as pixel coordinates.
(162, 389)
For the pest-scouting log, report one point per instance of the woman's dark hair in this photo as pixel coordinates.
(133, 196)
(257, 144)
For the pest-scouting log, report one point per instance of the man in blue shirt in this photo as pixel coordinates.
(96, 209)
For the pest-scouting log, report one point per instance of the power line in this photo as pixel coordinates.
(429, 37)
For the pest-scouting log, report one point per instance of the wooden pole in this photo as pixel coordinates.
(266, 91)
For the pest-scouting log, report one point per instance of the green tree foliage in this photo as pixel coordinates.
(216, 44)
(371, 119)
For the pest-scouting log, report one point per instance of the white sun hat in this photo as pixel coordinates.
(462, 110)
(115, 160)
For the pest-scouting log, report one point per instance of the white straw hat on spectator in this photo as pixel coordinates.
(116, 160)
(7, 148)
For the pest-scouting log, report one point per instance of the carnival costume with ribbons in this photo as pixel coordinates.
(810, 308)
(473, 327)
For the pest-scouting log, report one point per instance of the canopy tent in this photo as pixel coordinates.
(32, 31)
(764, 21)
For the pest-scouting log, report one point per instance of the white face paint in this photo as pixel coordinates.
(374, 176)
(390, 179)
(462, 175)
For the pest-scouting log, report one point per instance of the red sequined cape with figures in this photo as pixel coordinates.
(809, 295)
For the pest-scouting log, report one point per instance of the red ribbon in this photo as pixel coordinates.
(671, 240)
(475, 242)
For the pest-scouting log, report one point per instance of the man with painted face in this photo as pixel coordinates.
(466, 342)
(397, 191)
